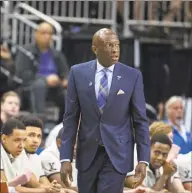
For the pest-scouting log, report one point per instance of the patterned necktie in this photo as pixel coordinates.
(103, 91)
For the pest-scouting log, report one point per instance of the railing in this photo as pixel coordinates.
(78, 12)
(24, 28)
(164, 14)
(135, 12)
(5, 11)
(156, 14)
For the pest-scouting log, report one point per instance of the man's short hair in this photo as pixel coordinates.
(31, 121)
(160, 138)
(20, 117)
(171, 101)
(7, 94)
(10, 125)
(159, 127)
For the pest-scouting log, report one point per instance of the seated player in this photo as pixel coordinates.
(34, 127)
(160, 174)
(50, 158)
(14, 161)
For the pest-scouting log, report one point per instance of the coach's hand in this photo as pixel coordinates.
(140, 173)
(66, 173)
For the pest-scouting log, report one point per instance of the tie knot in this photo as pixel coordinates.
(105, 70)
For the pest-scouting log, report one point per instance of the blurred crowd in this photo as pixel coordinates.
(30, 161)
(45, 82)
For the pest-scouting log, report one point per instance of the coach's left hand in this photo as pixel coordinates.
(140, 173)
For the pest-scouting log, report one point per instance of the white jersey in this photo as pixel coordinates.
(184, 165)
(35, 165)
(53, 135)
(50, 159)
(13, 166)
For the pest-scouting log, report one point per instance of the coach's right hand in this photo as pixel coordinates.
(66, 173)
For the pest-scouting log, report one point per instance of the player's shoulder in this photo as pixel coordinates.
(47, 153)
(184, 158)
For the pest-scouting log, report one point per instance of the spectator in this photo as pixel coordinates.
(48, 78)
(10, 106)
(14, 160)
(51, 163)
(140, 13)
(174, 7)
(175, 113)
(159, 127)
(160, 173)
(161, 111)
(6, 58)
(7, 79)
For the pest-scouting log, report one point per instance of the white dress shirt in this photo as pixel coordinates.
(99, 75)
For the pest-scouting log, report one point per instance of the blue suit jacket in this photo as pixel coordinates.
(114, 125)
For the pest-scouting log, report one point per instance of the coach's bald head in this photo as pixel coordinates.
(105, 45)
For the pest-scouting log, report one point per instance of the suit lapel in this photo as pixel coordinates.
(116, 81)
(91, 84)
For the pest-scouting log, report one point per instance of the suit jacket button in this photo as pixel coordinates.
(96, 140)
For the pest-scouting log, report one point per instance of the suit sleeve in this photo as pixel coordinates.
(140, 122)
(71, 120)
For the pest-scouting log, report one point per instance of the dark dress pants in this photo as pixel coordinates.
(101, 176)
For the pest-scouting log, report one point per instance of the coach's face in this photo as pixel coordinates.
(106, 47)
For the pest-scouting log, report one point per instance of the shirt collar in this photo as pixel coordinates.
(29, 153)
(100, 67)
(12, 159)
(175, 127)
(157, 171)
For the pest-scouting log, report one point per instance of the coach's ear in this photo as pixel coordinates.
(94, 49)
